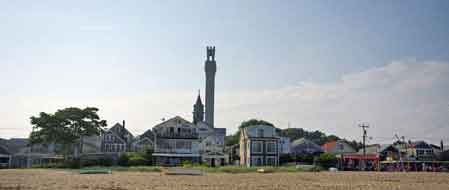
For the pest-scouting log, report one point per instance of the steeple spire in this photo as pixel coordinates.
(198, 99)
(198, 110)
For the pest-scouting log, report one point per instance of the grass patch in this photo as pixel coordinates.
(241, 169)
(223, 169)
(127, 169)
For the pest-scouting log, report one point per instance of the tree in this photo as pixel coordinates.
(66, 127)
(254, 122)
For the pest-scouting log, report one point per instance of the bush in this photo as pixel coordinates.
(97, 162)
(186, 164)
(123, 160)
(327, 160)
(136, 159)
(148, 155)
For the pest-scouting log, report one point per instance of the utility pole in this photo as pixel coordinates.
(364, 127)
(401, 163)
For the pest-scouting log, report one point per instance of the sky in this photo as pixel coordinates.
(319, 65)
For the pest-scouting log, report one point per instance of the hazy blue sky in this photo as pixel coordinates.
(323, 65)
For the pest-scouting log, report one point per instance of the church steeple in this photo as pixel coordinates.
(198, 110)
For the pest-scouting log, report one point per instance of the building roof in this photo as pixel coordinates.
(148, 134)
(4, 150)
(332, 145)
(170, 122)
(251, 131)
(120, 131)
(329, 146)
(15, 145)
(303, 145)
(220, 131)
(420, 144)
(386, 147)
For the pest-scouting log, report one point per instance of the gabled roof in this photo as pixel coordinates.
(149, 134)
(174, 120)
(435, 146)
(15, 145)
(420, 144)
(120, 130)
(303, 145)
(387, 147)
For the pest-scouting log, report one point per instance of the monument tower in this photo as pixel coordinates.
(210, 68)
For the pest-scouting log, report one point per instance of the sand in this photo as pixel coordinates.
(63, 179)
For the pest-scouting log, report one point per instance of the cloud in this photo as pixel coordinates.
(407, 98)
(404, 97)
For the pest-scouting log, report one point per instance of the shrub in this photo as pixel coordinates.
(72, 163)
(97, 162)
(136, 159)
(186, 164)
(327, 160)
(123, 160)
(148, 155)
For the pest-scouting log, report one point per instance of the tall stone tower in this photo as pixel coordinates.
(210, 68)
(198, 110)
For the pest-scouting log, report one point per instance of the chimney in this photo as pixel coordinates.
(123, 124)
(441, 146)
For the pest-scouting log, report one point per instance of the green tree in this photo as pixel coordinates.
(254, 122)
(66, 127)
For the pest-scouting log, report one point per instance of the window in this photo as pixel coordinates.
(259, 132)
(419, 152)
(271, 147)
(256, 161)
(172, 130)
(340, 147)
(256, 147)
(183, 144)
(271, 161)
